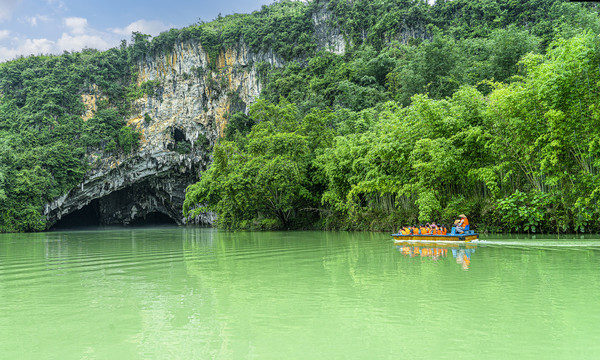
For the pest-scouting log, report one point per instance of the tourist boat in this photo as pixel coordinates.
(468, 236)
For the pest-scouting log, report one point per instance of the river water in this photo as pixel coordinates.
(192, 293)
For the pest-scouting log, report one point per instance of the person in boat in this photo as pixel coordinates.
(434, 228)
(443, 229)
(463, 224)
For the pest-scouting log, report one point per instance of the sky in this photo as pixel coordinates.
(52, 26)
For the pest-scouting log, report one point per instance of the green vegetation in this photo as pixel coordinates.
(44, 142)
(487, 107)
(284, 27)
(487, 110)
(264, 179)
(43, 137)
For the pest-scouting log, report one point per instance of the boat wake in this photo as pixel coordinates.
(540, 243)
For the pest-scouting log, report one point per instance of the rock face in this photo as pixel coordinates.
(180, 123)
(329, 37)
(122, 191)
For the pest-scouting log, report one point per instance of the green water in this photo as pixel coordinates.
(186, 293)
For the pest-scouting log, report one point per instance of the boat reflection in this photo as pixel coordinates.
(460, 252)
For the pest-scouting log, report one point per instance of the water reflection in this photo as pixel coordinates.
(461, 253)
(194, 293)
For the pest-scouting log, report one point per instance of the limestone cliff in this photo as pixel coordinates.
(328, 35)
(180, 122)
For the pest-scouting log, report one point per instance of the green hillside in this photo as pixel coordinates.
(483, 107)
(490, 111)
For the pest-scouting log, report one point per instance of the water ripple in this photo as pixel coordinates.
(43, 268)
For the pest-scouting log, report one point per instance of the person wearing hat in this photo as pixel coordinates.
(463, 224)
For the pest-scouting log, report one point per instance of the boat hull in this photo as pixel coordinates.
(436, 238)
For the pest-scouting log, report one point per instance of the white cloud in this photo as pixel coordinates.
(67, 42)
(59, 4)
(33, 20)
(77, 35)
(37, 46)
(76, 25)
(78, 42)
(6, 8)
(144, 26)
(28, 47)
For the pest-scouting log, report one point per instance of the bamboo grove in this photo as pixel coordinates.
(500, 123)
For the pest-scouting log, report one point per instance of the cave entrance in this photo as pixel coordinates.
(87, 216)
(141, 204)
(154, 218)
(178, 135)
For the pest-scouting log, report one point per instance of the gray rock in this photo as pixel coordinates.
(188, 112)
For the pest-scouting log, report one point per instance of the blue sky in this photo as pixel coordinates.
(53, 26)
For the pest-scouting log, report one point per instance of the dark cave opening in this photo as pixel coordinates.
(154, 218)
(87, 216)
(178, 135)
(132, 206)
